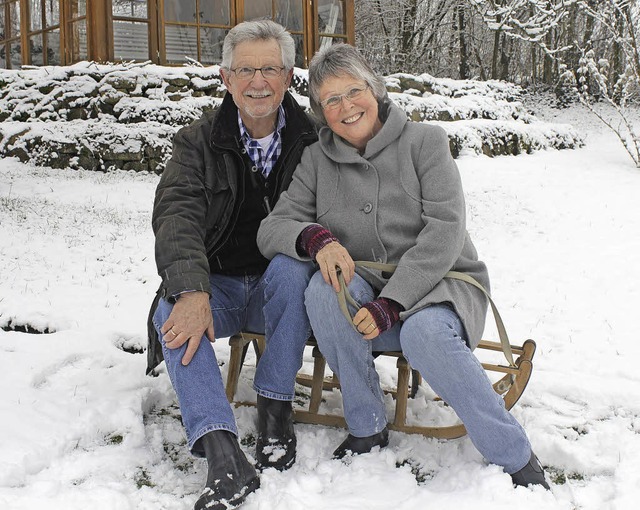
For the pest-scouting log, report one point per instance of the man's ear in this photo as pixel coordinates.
(289, 78)
(225, 73)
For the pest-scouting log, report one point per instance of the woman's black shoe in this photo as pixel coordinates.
(358, 445)
(531, 474)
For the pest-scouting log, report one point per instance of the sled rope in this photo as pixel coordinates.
(344, 298)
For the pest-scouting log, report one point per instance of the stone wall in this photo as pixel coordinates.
(101, 117)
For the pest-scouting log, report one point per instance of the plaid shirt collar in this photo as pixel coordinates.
(264, 160)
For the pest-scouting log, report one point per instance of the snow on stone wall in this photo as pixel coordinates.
(124, 116)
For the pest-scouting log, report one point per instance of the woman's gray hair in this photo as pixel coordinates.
(260, 30)
(340, 60)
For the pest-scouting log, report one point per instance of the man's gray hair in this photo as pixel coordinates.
(340, 60)
(260, 30)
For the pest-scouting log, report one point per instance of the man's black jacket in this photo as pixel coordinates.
(195, 198)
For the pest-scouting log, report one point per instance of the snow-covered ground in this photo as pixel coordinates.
(81, 426)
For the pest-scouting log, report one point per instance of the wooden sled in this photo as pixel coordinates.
(512, 383)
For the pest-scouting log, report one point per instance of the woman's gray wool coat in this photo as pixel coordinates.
(400, 202)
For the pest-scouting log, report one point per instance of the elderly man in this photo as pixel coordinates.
(226, 172)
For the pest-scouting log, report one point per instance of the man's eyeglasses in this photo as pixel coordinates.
(331, 103)
(247, 73)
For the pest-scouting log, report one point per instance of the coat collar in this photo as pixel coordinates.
(225, 131)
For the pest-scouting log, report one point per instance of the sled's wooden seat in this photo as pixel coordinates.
(512, 383)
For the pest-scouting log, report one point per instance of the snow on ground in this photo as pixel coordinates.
(82, 427)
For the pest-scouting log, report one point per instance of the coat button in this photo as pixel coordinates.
(254, 169)
(244, 151)
(368, 208)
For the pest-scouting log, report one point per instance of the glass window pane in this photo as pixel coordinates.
(180, 10)
(328, 41)
(14, 20)
(130, 40)
(15, 55)
(130, 8)
(2, 35)
(180, 42)
(35, 12)
(3, 60)
(299, 50)
(289, 14)
(211, 45)
(331, 17)
(257, 9)
(78, 8)
(53, 48)
(52, 11)
(36, 49)
(215, 12)
(78, 40)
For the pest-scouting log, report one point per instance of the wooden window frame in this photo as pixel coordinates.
(67, 20)
(43, 30)
(302, 33)
(99, 29)
(348, 24)
(162, 23)
(152, 39)
(6, 43)
(314, 35)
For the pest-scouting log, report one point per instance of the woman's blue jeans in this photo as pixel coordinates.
(434, 342)
(272, 304)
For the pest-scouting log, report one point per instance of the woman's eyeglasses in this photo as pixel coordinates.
(331, 103)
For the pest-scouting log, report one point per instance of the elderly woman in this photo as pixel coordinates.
(377, 187)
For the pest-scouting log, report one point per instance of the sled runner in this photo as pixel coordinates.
(511, 384)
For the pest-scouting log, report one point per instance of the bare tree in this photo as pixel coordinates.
(614, 80)
(397, 35)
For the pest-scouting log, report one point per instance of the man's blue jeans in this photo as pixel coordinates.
(434, 342)
(272, 304)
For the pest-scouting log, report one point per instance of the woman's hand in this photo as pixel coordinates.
(365, 324)
(377, 316)
(334, 256)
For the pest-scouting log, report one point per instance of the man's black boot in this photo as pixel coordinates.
(276, 444)
(231, 478)
(531, 474)
(357, 445)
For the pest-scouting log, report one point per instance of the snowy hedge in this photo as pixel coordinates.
(124, 115)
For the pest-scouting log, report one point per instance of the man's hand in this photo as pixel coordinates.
(364, 323)
(335, 255)
(189, 320)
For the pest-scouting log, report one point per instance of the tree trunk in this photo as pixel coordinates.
(462, 37)
(496, 53)
(505, 58)
(385, 30)
(615, 69)
(408, 26)
(547, 66)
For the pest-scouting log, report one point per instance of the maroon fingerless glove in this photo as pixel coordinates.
(385, 312)
(312, 239)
